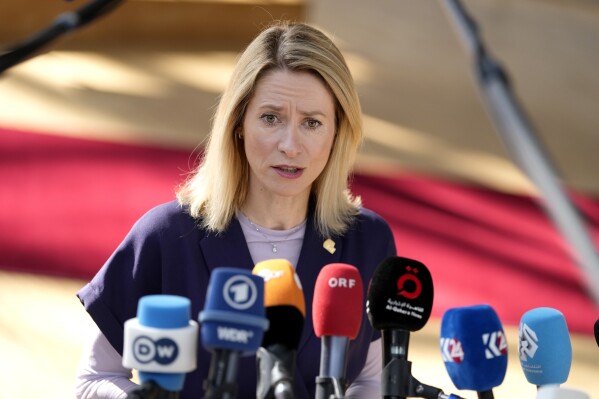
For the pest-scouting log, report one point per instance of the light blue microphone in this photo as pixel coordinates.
(161, 342)
(544, 347)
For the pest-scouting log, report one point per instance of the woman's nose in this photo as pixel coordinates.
(290, 141)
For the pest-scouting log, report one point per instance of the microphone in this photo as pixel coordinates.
(285, 311)
(544, 347)
(161, 343)
(337, 309)
(596, 330)
(232, 324)
(553, 392)
(474, 348)
(400, 300)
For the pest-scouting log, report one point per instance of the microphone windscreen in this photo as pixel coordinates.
(282, 286)
(234, 316)
(544, 347)
(161, 342)
(596, 328)
(400, 295)
(284, 301)
(337, 305)
(474, 347)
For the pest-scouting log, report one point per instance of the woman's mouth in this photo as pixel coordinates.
(289, 172)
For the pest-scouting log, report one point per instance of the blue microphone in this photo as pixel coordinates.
(544, 347)
(232, 324)
(474, 348)
(161, 343)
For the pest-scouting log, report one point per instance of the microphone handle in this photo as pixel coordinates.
(151, 390)
(333, 362)
(221, 381)
(485, 394)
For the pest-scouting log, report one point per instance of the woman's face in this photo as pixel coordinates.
(288, 131)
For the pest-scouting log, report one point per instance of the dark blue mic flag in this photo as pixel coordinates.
(474, 347)
(234, 317)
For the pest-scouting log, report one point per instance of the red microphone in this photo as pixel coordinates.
(337, 310)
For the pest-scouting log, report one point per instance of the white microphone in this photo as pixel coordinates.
(556, 392)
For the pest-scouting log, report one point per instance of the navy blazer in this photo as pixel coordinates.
(167, 252)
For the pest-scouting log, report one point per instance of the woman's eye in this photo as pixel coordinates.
(269, 118)
(313, 123)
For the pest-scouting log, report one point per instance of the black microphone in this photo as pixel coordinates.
(232, 325)
(285, 311)
(400, 300)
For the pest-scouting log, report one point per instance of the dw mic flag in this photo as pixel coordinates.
(337, 309)
(474, 348)
(232, 323)
(161, 342)
(544, 347)
(285, 311)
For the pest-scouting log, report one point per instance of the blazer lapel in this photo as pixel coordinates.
(226, 249)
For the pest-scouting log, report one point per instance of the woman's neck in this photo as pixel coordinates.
(276, 214)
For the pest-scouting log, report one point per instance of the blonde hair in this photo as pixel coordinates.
(219, 185)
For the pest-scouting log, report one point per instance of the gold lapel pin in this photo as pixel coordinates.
(329, 245)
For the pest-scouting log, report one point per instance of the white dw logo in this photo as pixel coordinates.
(240, 292)
(528, 342)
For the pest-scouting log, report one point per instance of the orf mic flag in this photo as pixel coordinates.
(337, 310)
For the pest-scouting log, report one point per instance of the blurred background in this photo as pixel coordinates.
(109, 119)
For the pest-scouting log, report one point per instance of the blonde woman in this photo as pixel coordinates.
(272, 183)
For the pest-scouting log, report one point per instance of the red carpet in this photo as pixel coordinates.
(66, 203)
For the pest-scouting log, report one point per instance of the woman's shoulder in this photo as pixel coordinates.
(167, 216)
(368, 217)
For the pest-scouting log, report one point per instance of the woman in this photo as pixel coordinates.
(273, 183)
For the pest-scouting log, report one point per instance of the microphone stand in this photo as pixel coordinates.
(397, 381)
(64, 23)
(276, 365)
(519, 137)
(151, 390)
(330, 384)
(221, 381)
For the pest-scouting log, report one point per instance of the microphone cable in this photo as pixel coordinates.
(63, 24)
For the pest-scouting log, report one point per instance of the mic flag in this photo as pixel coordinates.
(544, 347)
(474, 347)
(233, 317)
(161, 342)
(337, 305)
(400, 295)
(285, 311)
(284, 302)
